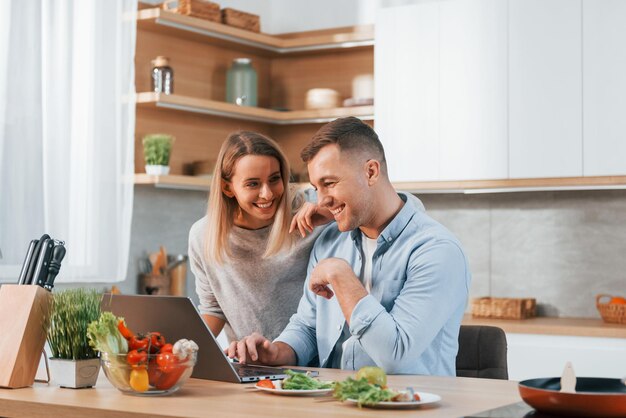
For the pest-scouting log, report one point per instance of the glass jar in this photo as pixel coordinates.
(162, 76)
(241, 83)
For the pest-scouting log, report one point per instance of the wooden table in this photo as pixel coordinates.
(204, 398)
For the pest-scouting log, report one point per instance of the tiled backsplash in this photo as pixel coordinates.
(562, 248)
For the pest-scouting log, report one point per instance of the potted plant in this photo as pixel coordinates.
(74, 364)
(156, 152)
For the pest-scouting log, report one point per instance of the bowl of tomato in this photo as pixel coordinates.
(139, 373)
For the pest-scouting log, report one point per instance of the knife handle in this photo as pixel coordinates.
(28, 279)
(58, 252)
(27, 261)
(41, 270)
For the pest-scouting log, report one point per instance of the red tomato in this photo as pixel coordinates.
(265, 383)
(167, 362)
(169, 378)
(156, 341)
(138, 341)
(154, 373)
(136, 357)
(167, 348)
(126, 333)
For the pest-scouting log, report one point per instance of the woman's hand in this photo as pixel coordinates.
(308, 217)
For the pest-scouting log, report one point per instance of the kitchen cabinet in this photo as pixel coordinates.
(532, 356)
(473, 90)
(604, 87)
(441, 90)
(545, 88)
(539, 347)
(196, 114)
(500, 95)
(407, 90)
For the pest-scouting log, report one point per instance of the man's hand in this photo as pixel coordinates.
(256, 349)
(325, 274)
(308, 217)
(337, 273)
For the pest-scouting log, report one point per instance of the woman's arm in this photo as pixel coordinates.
(215, 324)
(308, 217)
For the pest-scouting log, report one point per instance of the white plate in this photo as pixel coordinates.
(425, 399)
(287, 392)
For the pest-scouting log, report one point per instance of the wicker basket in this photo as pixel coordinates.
(202, 9)
(503, 308)
(242, 20)
(613, 313)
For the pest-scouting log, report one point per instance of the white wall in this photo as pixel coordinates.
(304, 15)
(284, 16)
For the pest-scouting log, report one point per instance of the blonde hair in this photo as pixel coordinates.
(221, 210)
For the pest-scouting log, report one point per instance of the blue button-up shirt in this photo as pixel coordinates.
(409, 323)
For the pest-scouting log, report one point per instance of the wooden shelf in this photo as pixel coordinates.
(483, 186)
(173, 181)
(185, 182)
(200, 29)
(256, 114)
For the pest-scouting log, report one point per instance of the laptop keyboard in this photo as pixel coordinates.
(252, 371)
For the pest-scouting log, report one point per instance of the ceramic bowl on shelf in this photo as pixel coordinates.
(148, 378)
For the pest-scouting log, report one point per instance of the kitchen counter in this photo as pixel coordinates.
(201, 398)
(576, 327)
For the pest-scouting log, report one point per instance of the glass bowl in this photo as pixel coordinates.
(146, 378)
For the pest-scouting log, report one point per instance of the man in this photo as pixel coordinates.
(387, 285)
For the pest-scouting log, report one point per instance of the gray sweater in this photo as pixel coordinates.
(249, 292)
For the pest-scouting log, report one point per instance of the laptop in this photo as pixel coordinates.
(176, 317)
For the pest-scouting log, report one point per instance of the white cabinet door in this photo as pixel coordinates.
(473, 90)
(604, 87)
(531, 356)
(406, 68)
(545, 88)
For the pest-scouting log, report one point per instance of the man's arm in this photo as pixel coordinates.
(337, 273)
(435, 289)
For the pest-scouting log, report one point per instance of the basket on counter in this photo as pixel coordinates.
(504, 308)
(614, 313)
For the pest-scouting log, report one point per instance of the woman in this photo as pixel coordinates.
(249, 269)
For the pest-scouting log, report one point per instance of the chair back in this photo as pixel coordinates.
(482, 352)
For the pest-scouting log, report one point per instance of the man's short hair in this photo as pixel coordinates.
(350, 134)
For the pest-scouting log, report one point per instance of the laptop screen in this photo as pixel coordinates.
(176, 317)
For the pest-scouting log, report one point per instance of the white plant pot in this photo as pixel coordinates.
(74, 373)
(158, 170)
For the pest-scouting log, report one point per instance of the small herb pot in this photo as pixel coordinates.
(157, 170)
(74, 374)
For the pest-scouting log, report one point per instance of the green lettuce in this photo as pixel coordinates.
(105, 337)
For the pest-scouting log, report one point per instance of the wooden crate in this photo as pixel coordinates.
(242, 20)
(504, 308)
(202, 9)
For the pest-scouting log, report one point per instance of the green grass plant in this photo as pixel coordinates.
(72, 311)
(157, 148)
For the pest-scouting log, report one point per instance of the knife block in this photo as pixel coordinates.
(24, 320)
